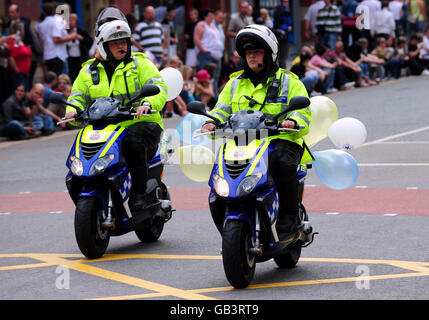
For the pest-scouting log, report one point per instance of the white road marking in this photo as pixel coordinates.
(394, 136)
(394, 164)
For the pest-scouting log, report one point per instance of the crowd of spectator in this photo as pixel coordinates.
(336, 55)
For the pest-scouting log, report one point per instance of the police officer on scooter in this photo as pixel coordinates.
(116, 72)
(263, 86)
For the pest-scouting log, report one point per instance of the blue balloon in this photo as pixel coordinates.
(336, 169)
(186, 129)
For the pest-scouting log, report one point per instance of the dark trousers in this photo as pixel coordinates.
(56, 65)
(283, 162)
(139, 147)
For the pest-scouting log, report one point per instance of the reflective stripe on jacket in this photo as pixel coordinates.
(138, 72)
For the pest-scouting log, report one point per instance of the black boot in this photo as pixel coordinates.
(287, 223)
(137, 201)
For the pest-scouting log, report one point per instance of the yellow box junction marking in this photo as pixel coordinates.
(419, 269)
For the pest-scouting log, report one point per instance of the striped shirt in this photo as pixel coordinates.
(150, 36)
(330, 18)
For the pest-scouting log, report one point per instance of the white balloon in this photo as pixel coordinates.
(347, 133)
(174, 81)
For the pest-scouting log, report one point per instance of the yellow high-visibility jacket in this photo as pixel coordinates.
(138, 72)
(232, 99)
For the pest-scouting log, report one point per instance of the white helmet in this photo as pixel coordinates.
(110, 31)
(256, 36)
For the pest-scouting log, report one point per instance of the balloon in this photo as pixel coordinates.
(196, 162)
(336, 169)
(347, 133)
(174, 81)
(324, 113)
(186, 129)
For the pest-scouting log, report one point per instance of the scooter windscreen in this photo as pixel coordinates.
(104, 108)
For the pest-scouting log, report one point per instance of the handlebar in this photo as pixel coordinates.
(226, 134)
(64, 120)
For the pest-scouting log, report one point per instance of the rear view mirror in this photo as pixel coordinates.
(146, 91)
(298, 102)
(198, 107)
(57, 98)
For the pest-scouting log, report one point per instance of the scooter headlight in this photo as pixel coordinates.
(221, 186)
(247, 185)
(101, 164)
(76, 166)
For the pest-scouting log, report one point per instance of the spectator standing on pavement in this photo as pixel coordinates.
(238, 22)
(171, 31)
(219, 18)
(78, 48)
(384, 23)
(350, 33)
(191, 49)
(150, 35)
(14, 14)
(265, 19)
(283, 29)
(328, 23)
(54, 35)
(395, 6)
(417, 15)
(250, 14)
(374, 6)
(310, 29)
(208, 40)
(20, 56)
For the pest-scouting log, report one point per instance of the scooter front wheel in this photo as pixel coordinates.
(238, 263)
(91, 238)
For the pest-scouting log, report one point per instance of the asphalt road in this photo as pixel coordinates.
(372, 242)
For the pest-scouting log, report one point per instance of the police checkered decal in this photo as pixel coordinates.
(274, 208)
(126, 187)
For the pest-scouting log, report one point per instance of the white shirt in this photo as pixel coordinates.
(396, 7)
(210, 40)
(48, 29)
(374, 6)
(312, 14)
(384, 22)
(74, 47)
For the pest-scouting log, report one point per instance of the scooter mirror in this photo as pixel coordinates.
(198, 107)
(298, 102)
(57, 98)
(146, 91)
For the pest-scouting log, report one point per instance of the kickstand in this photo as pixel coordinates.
(312, 239)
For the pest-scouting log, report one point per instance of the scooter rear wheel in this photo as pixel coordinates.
(152, 229)
(238, 263)
(290, 258)
(91, 238)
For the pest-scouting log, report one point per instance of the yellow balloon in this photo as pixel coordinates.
(196, 162)
(324, 113)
